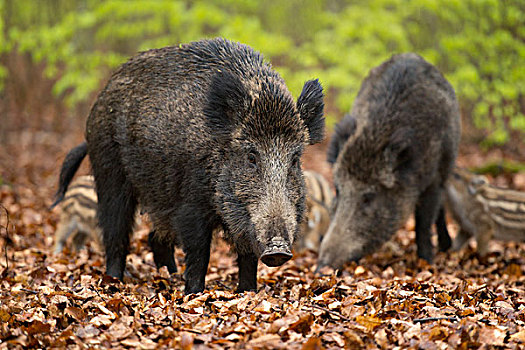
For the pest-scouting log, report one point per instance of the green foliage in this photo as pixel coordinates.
(499, 168)
(478, 44)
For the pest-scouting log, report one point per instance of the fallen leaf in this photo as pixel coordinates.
(186, 342)
(369, 322)
(263, 307)
(334, 338)
(268, 341)
(492, 335)
(75, 312)
(37, 327)
(303, 324)
(313, 343)
(518, 336)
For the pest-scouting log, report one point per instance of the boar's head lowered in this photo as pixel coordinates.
(392, 155)
(374, 192)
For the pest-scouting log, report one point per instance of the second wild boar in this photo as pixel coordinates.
(391, 157)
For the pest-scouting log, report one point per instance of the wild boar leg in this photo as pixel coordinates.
(484, 235)
(426, 211)
(247, 272)
(116, 214)
(444, 240)
(461, 238)
(196, 242)
(64, 230)
(79, 240)
(162, 253)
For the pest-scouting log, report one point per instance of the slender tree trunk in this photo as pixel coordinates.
(4, 103)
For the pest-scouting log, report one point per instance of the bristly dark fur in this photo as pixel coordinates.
(396, 158)
(69, 167)
(226, 96)
(342, 132)
(310, 112)
(203, 135)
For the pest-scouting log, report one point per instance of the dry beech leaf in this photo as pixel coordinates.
(268, 341)
(369, 322)
(334, 338)
(313, 343)
(303, 324)
(438, 333)
(519, 336)
(467, 312)
(119, 330)
(492, 336)
(381, 338)
(4, 315)
(143, 343)
(264, 307)
(197, 302)
(352, 339)
(75, 312)
(37, 327)
(186, 341)
(101, 320)
(359, 270)
(87, 332)
(233, 337)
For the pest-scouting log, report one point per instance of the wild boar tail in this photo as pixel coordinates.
(69, 168)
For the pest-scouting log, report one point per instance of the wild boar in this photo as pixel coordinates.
(201, 135)
(317, 219)
(78, 216)
(484, 211)
(391, 156)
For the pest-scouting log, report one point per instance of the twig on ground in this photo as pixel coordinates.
(96, 291)
(431, 319)
(6, 237)
(29, 290)
(194, 331)
(223, 285)
(331, 312)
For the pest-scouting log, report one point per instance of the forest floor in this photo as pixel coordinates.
(389, 299)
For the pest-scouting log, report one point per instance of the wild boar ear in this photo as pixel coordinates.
(475, 184)
(398, 156)
(226, 100)
(310, 106)
(342, 131)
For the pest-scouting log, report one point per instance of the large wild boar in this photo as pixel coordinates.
(204, 135)
(391, 156)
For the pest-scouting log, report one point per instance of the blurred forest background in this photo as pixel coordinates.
(55, 55)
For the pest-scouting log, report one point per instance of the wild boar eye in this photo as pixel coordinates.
(368, 198)
(252, 159)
